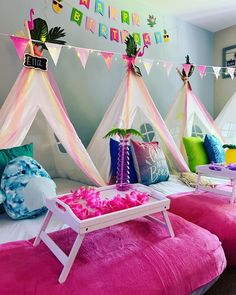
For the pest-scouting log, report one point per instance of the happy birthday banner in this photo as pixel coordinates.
(113, 33)
(83, 54)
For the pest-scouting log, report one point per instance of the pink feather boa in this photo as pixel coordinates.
(86, 202)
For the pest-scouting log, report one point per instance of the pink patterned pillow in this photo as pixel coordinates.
(150, 162)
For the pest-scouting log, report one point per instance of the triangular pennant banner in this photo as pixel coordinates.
(20, 45)
(54, 50)
(231, 72)
(201, 69)
(148, 65)
(83, 54)
(168, 67)
(186, 68)
(216, 71)
(108, 58)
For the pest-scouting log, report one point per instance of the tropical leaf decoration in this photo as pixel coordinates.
(41, 33)
(123, 132)
(151, 21)
(229, 146)
(131, 46)
(191, 69)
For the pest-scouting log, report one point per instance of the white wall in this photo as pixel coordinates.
(224, 88)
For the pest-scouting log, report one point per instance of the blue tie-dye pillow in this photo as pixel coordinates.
(25, 185)
(214, 149)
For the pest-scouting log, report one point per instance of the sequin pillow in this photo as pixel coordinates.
(150, 162)
(214, 149)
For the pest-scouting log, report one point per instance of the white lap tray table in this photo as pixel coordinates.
(63, 212)
(224, 173)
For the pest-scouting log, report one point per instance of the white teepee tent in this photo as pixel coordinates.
(188, 117)
(34, 101)
(226, 121)
(133, 107)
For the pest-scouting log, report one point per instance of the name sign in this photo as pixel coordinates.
(35, 62)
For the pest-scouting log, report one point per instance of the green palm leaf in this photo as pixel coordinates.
(123, 132)
(40, 31)
(131, 46)
(55, 34)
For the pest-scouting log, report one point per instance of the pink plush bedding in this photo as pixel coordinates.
(212, 212)
(136, 257)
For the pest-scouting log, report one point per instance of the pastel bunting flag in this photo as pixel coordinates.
(231, 72)
(201, 69)
(90, 24)
(83, 54)
(186, 68)
(85, 3)
(108, 58)
(54, 50)
(148, 65)
(168, 67)
(216, 71)
(20, 45)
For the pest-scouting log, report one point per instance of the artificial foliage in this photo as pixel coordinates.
(123, 132)
(151, 21)
(191, 69)
(131, 46)
(43, 34)
(229, 146)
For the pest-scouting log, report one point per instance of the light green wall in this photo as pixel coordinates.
(223, 88)
(88, 93)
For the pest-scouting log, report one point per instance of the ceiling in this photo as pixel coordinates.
(212, 15)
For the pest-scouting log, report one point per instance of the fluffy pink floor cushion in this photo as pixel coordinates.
(136, 257)
(212, 212)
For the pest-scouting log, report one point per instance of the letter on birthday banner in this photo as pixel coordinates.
(125, 17)
(76, 16)
(135, 19)
(112, 13)
(90, 24)
(137, 38)
(103, 31)
(124, 34)
(158, 37)
(146, 39)
(114, 34)
(86, 3)
(99, 7)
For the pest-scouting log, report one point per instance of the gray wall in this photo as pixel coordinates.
(87, 93)
(224, 88)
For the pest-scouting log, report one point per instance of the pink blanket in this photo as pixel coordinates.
(136, 257)
(212, 212)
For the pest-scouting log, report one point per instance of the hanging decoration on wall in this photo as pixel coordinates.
(20, 45)
(216, 71)
(124, 34)
(76, 16)
(166, 36)
(57, 6)
(83, 54)
(99, 7)
(113, 13)
(125, 17)
(231, 72)
(114, 33)
(201, 69)
(148, 63)
(167, 65)
(31, 21)
(54, 50)
(85, 3)
(151, 21)
(146, 39)
(108, 58)
(135, 19)
(90, 24)
(137, 38)
(103, 31)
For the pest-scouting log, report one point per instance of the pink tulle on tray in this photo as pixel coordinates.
(87, 202)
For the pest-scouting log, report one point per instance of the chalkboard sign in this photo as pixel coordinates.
(35, 62)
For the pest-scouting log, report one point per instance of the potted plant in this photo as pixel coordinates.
(122, 174)
(230, 153)
(40, 32)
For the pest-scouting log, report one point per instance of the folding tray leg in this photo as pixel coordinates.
(168, 224)
(71, 258)
(43, 228)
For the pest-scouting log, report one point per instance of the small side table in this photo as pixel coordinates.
(224, 173)
(63, 212)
